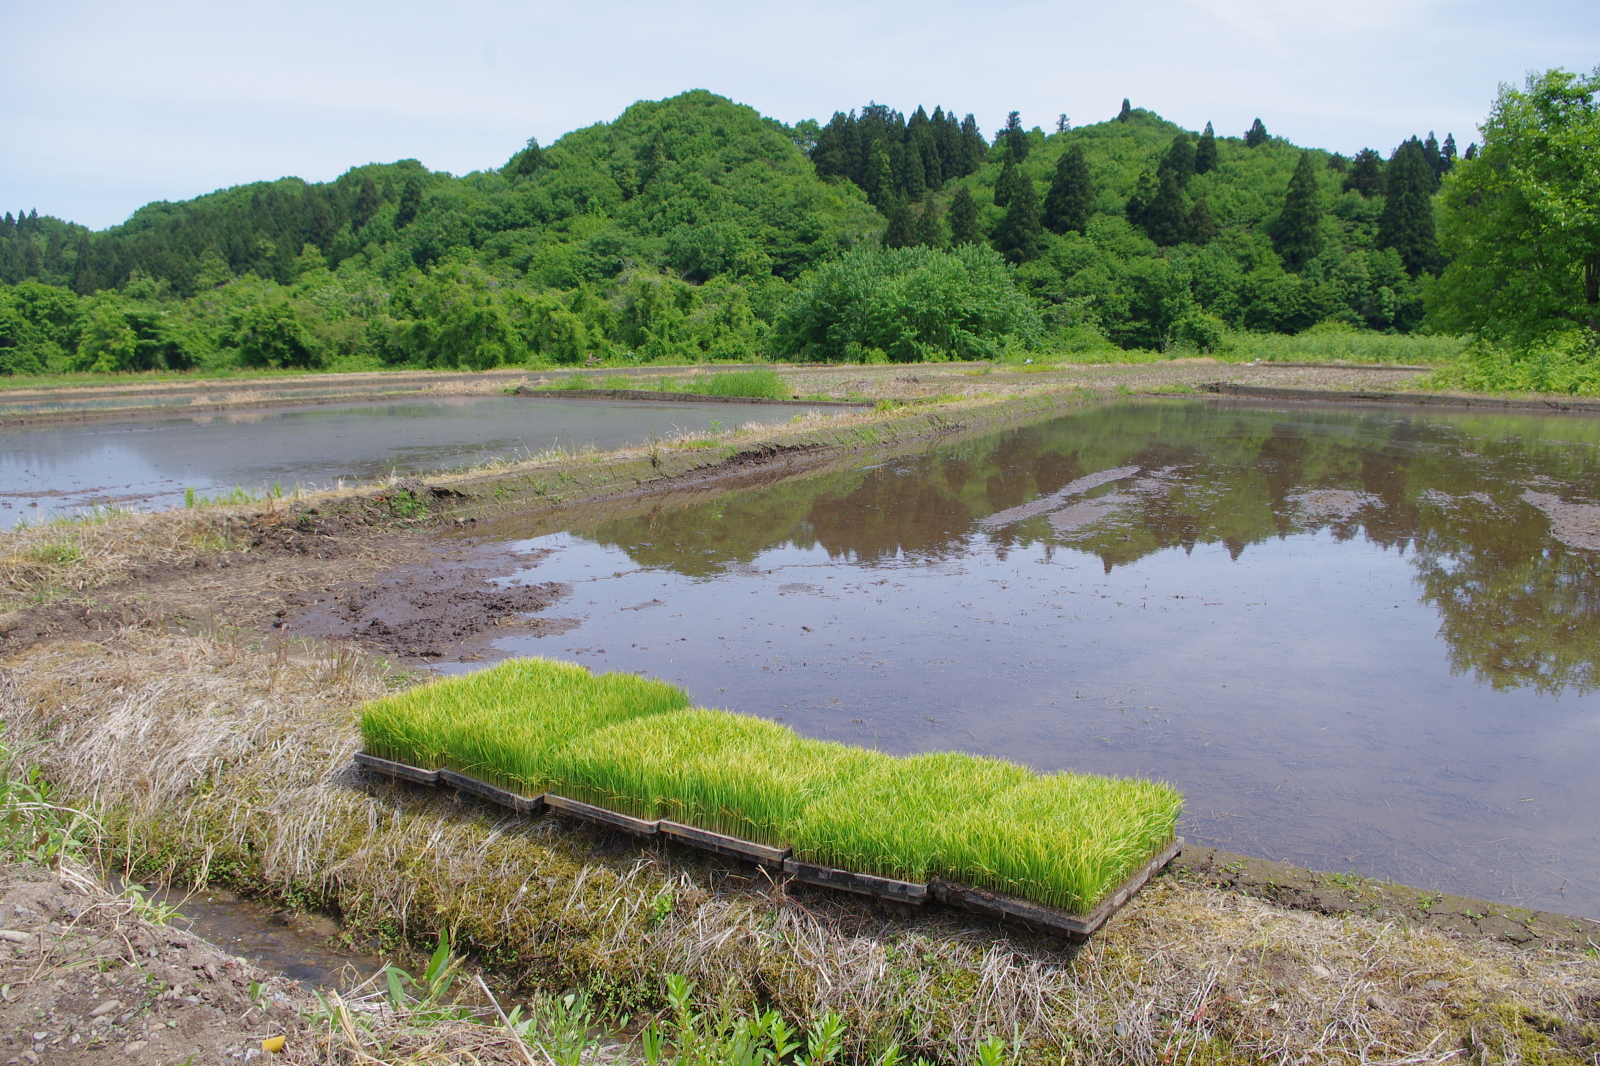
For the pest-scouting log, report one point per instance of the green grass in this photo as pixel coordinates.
(760, 383)
(634, 745)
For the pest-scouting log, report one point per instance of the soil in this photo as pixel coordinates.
(87, 980)
(446, 607)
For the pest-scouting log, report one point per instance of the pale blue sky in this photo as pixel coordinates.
(107, 106)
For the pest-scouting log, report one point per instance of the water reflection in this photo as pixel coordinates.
(1516, 605)
(1355, 638)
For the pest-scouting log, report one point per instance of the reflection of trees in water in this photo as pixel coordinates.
(1516, 609)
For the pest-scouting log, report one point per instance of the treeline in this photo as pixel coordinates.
(694, 228)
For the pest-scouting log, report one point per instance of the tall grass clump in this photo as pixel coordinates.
(503, 724)
(759, 383)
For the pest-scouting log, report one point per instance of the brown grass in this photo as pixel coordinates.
(214, 758)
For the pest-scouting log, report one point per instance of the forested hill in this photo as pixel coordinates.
(694, 227)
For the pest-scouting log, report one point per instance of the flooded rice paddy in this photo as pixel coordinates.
(66, 468)
(1358, 639)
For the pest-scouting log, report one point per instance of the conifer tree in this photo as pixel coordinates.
(1406, 224)
(1020, 237)
(1006, 182)
(366, 205)
(1062, 125)
(526, 161)
(879, 176)
(902, 230)
(1071, 197)
(1205, 153)
(1297, 233)
(1167, 219)
(1430, 152)
(1127, 111)
(410, 203)
(1256, 135)
(964, 218)
(1472, 150)
(1365, 175)
(928, 231)
(1014, 137)
(1202, 227)
(1448, 150)
(974, 148)
(1179, 160)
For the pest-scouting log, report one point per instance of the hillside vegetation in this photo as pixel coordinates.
(695, 229)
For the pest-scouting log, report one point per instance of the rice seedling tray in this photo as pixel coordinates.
(506, 798)
(863, 884)
(733, 847)
(601, 816)
(397, 769)
(1077, 926)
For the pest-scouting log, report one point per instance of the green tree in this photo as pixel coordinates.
(1201, 227)
(1071, 196)
(879, 175)
(410, 203)
(525, 162)
(1166, 219)
(1522, 217)
(1297, 231)
(1014, 137)
(902, 229)
(1205, 153)
(1406, 224)
(1020, 235)
(1126, 114)
(964, 218)
(928, 232)
(913, 304)
(1179, 160)
(1256, 135)
(1365, 175)
(1005, 186)
(271, 334)
(367, 203)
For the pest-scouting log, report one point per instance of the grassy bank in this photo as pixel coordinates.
(634, 746)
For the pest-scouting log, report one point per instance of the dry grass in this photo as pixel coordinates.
(211, 758)
(67, 557)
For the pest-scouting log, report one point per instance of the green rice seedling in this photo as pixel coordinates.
(502, 724)
(729, 773)
(1064, 839)
(893, 820)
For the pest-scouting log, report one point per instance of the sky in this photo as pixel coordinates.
(108, 106)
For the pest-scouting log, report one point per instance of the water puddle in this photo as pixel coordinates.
(297, 946)
(1356, 638)
(147, 465)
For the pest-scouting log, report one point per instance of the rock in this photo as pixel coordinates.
(1387, 1004)
(133, 1046)
(110, 1006)
(1321, 971)
(1434, 986)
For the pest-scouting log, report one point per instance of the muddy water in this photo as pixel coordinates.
(148, 465)
(1357, 639)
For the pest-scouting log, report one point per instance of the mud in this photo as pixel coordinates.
(449, 606)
